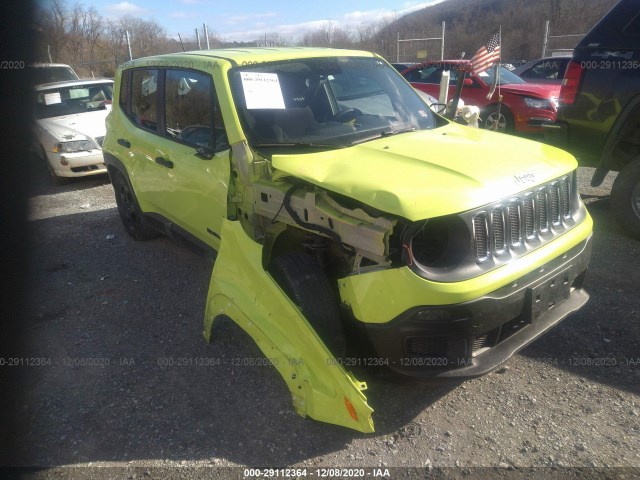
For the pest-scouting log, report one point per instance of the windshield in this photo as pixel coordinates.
(325, 102)
(506, 77)
(71, 100)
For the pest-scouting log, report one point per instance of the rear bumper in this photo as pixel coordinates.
(473, 338)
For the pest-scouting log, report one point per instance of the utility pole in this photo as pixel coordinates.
(546, 39)
(129, 44)
(198, 39)
(206, 34)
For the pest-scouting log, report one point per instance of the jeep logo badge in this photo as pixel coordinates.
(524, 178)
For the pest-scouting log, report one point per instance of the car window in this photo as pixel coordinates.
(546, 69)
(72, 100)
(192, 114)
(125, 90)
(144, 85)
(506, 77)
(430, 74)
(633, 27)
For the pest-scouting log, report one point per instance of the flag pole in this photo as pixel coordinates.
(498, 70)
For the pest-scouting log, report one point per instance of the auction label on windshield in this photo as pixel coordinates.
(262, 90)
(52, 98)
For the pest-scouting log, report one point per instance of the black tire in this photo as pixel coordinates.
(55, 179)
(505, 120)
(304, 281)
(132, 218)
(625, 198)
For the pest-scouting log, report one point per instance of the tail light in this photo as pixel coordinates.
(571, 83)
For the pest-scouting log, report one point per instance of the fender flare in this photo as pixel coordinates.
(114, 163)
(241, 289)
(617, 131)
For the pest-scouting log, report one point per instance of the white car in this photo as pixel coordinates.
(70, 126)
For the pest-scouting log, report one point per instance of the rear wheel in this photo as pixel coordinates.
(304, 281)
(132, 218)
(499, 121)
(625, 198)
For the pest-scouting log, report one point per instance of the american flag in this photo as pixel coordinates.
(487, 55)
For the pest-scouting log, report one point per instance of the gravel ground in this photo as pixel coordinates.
(571, 399)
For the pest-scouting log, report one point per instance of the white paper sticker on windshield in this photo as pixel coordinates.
(262, 90)
(51, 98)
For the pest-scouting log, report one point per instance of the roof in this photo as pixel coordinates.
(48, 65)
(245, 56)
(71, 83)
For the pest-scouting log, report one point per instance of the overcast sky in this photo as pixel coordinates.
(246, 20)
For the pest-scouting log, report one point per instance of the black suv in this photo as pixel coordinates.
(599, 113)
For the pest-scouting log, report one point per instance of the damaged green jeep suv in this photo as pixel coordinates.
(354, 227)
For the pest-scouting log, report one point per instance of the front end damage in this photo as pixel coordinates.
(392, 275)
(241, 289)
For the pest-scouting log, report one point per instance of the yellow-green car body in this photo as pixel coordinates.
(354, 227)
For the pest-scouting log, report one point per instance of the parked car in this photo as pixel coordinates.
(402, 66)
(353, 225)
(525, 106)
(70, 126)
(599, 114)
(51, 72)
(544, 70)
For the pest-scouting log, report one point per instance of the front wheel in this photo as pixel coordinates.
(304, 281)
(625, 198)
(132, 218)
(498, 121)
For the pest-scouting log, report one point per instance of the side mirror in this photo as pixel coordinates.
(468, 82)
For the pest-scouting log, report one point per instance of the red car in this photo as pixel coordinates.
(525, 106)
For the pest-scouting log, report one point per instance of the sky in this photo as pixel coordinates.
(247, 20)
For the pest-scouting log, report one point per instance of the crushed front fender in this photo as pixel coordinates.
(241, 289)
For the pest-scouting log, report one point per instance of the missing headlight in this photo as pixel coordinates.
(437, 245)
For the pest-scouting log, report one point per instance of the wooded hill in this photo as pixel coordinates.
(470, 23)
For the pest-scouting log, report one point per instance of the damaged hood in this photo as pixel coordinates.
(76, 127)
(431, 173)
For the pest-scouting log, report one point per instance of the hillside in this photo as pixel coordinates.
(470, 23)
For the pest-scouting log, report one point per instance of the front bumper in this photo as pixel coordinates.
(78, 164)
(470, 339)
(533, 120)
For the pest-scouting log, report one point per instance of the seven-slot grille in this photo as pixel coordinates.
(525, 218)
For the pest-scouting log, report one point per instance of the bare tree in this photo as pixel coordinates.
(51, 22)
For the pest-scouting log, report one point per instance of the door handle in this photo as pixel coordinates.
(164, 162)
(124, 143)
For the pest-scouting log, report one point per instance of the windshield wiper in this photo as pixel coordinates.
(298, 144)
(388, 133)
(383, 134)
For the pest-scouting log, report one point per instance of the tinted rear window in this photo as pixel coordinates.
(615, 30)
(51, 74)
(633, 28)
